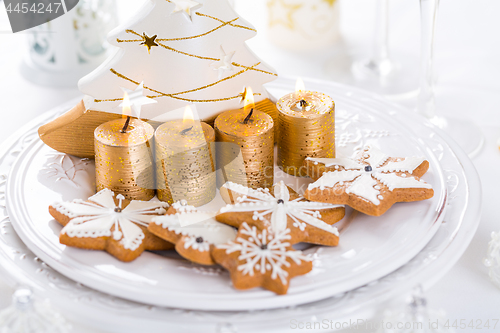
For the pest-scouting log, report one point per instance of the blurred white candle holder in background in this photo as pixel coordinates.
(414, 317)
(27, 315)
(62, 51)
(304, 24)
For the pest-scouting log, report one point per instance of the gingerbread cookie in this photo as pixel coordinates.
(193, 232)
(113, 224)
(281, 209)
(370, 183)
(260, 258)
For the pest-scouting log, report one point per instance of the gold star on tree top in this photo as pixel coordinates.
(149, 41)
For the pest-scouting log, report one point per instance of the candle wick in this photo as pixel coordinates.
(247, 119)
(303, 103)
(185, 131)
(125, 127)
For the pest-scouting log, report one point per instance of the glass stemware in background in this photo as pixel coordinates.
(379, 73)
(379, 65)
(464, 132)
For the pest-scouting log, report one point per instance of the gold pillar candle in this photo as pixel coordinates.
(249, 135)
(306, 123)
(124, 160)
(185, 162)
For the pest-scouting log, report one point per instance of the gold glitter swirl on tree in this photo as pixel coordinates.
(223, 24)
(161, 94)
(130, 31)
(253, 69)
(185, 53)
(193, 55)
(209, 85)
(233, 25)
(200, 35)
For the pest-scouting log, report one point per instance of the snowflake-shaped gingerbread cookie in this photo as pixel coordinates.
(193, 232)
(260, 258)
(109, 223)
(279, 209)
(370, 183)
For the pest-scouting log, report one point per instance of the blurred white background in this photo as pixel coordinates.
(467, 65)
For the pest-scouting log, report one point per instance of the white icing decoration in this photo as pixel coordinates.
(300, 225)
(393, 181)
(273, 258)
(375, 157)
(332, 178)
(262, 203)
(96, 217)
(347, 163)
(104, 198)
(408, 164)
(183, 207)
(364, 187)
(117, 235)
(364, 182)
(201, 224)
(191, 242)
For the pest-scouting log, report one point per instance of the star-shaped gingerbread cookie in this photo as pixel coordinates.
(260, 258)
(193, 232)
(112, 224)
(370, 183)
(279, 209)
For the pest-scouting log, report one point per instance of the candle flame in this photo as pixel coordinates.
(126, 111)
(249, 100)
(188, 115)
(299, 85)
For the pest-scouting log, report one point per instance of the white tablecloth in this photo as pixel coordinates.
(467, 53)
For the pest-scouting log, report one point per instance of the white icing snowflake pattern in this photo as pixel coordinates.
(197, 243)
(200, 228)
(96, 217)
(365, 170)
(262, 203)
(264, 252)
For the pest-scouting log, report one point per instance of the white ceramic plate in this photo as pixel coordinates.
(91, 307)
(370, 247)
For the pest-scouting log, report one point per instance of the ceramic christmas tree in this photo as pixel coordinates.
(182, 52)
